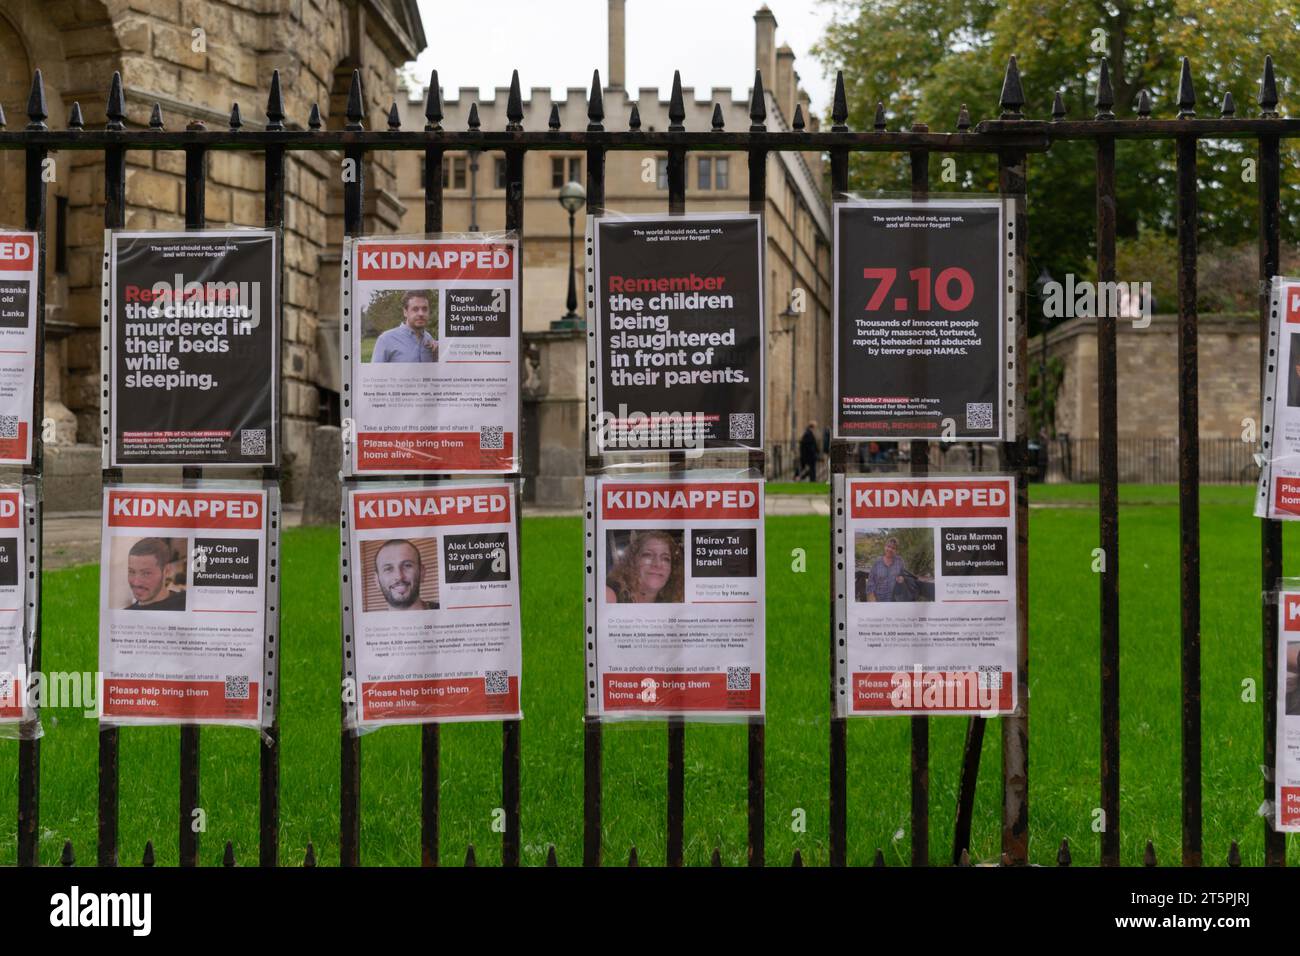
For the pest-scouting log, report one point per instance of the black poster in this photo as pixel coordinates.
(920, 319)
(195, 340)
(679, 318)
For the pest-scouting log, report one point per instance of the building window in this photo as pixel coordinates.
(561, 165)
(705, 175)
(661, 173)
(499, 172)
(453, 172)
(722, 173)
(713, 172)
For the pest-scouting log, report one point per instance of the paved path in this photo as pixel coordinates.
(72, 537)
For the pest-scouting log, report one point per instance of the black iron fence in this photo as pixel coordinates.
(1011, 138)
(1150, 461)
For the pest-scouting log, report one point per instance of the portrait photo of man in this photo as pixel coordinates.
(400, 572)
(409, 341)
(152, 572)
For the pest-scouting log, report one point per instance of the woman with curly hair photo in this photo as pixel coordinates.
(649, 571)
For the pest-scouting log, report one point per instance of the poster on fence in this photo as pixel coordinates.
(1279, 479)
(1287, 774)
(182, 604)
(923, 303)
(679, 343)
(19, 260)
(13, 633)
(433, 601)
(193, 333)
(927, 597)
(431, 355)
(675, 582)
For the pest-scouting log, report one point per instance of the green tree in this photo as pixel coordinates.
(923, 60)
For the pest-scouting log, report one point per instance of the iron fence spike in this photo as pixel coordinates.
(116, 109)
(1229, 107)
(878, 122)
(716, 859)
(433, 103)
(1144, 104)
(1186, 91)
(1268, 90)
(469, 856)
(1063, 854)
(473, 116)
(631, 858)
(355, 111)
(75, 120)
(155, 117)
(550, 856)
(718, 122)
(275, 104)
(840, 105)
(1234, 855)
(36, 111)
(1149, 855)
(228, 858)
(236, 120)
(798, 123)
(394, 117)
(797, 861)
(514, 104)
(634, 118)
(1012, 97)
(309, 858)
(880, 858)
(1105, 101)
(1058, 107)
(554, 121)
(963, 118)
(758, 104)
(313, 119)
(676, 107)
(595, 103)
(147, 859)
(68, 858)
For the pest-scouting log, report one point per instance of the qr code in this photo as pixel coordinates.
(8, 426)
(252, 441)
(498, 682)
(979, 414)
(741, 425)
(492, 437)
(737, 678)
(236, 687)
(990, 677)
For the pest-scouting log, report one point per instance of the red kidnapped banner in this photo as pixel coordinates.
(931, 499)
(16, 252)
(181, 509)
(431, 451)
(459, 697)
(648, 691)
(679, 500)
(423, 506)
(435, 261)
(176, 699)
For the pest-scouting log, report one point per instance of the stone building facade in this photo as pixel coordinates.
(195, 58)
(797, 222)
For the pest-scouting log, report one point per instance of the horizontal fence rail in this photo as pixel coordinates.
(1013, 139)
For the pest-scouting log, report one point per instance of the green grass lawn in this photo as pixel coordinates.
(1063, 719)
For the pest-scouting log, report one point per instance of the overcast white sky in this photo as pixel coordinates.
(557, 43)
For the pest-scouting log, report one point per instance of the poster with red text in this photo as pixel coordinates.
(675, 579)
(433, 602)
(927, 596)
(1287, 772)
(182, 604)
(13, 635)
(19, 258)
(1278, 494)
(431, 355)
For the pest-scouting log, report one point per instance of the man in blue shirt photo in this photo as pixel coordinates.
(410, 341)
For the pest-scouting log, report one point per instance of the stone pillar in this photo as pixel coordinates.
(765, 45)
(554, 441)
(617, 44)
(784, 90)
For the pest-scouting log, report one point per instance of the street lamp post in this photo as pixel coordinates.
(572, 197)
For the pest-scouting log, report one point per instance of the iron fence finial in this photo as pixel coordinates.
(313, 118)
(1058, 107)
(963, 119)
(275, 104)
(394, 117)
(309, 858)
(676, 108)
(1229, 107)
(236, 118)
(469, 856)
(1144, 104)
(596, 104)
(550, 856)
(631, 858)
(147, 858)
(68, 858)
(433, 104)
(798, 123)
(75, 120)
(1012, 97)
(840, 105)
(717, 122)
(116, 109)
(634, 118)
(36, 111)
(474, 123)
(554, 121)
(1063, 854)
(796, 861)
(1149, 855)
(716, 859)
(228, 858)
(1105, 101)
(354, 112)
(514, 105)
(155, 117)
(1268, 91)
(758, 105)
(878, 122)
(1186, 92)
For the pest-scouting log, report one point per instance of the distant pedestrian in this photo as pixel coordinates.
(808, 453)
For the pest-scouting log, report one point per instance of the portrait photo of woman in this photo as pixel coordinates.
(646, 568)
